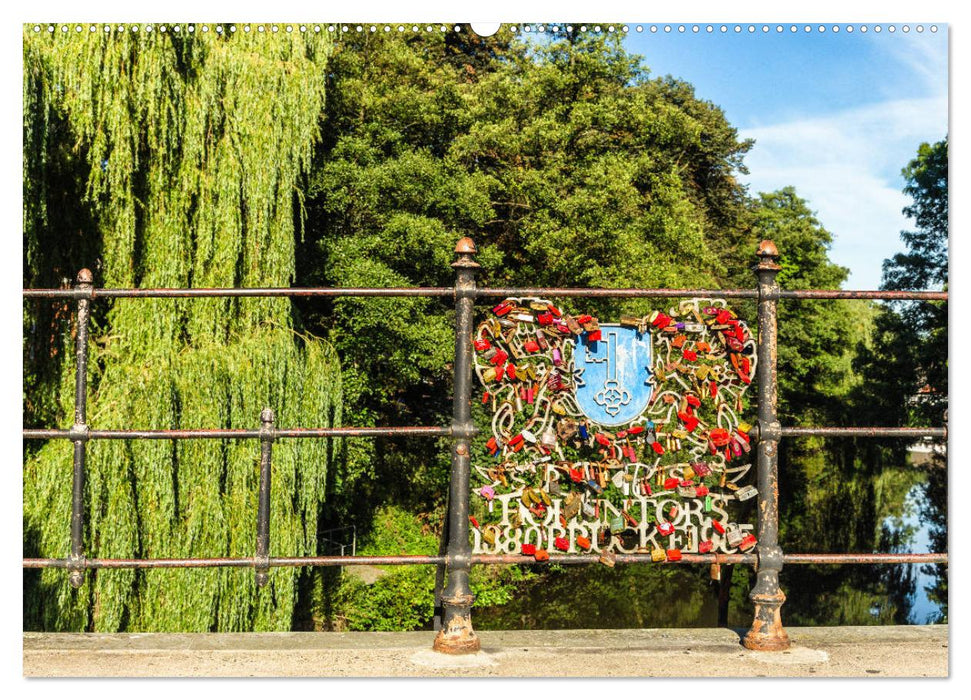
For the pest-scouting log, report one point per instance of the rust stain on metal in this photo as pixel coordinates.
(457, 637)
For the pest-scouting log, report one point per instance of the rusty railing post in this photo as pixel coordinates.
(80, 430)
(767, 632)
(456, 635)
(263, 512)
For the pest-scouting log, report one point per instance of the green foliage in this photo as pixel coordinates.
(403, 597)
(924, 357)
(564, 162)
(569, 165)
(172, 137)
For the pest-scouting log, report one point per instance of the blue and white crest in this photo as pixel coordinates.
(612, 375)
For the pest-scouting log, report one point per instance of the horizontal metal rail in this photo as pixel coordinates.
(482, 559)
(597, 293)
(239, 562)
(409, 431)
(865, 432)
(481, 292)
(234, 433)
(888, 295)
(873, 558)
(179, 293)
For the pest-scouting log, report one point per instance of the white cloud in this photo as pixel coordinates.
(847, 165)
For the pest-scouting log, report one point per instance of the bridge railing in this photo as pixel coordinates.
(456, 634)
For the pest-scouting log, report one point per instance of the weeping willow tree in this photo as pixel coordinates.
(186, 151)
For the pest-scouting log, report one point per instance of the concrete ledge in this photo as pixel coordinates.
(913, 651)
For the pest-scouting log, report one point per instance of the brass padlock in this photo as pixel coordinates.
(571, 505)
(566, 428)
(608, 558)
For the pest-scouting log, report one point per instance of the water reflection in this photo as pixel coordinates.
(893, 511)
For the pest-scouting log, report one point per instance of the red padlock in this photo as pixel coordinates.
(719, 528)
(689, 355)
(636, 430)
(545, 319)
(593, 336)
(690, 422)
(693, 400)
(747, 542)
(528, 549)
(583, 542)
(502, 309)
(719, 437)
(701, 491)
(671, 483)
(541, 555)
(674, 555)
(482, 344)
(705, 546)
(665, 528)
(553, 310)
(531, 346)
(561, 543)
(656, 446)
(475, 523)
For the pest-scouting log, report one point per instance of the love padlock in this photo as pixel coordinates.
(734, 535)
(503, 308)
(561, 543)
(528, 550)
(665, 528)
(746, 492)
(748, 541)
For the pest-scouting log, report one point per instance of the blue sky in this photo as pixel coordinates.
(837, 115)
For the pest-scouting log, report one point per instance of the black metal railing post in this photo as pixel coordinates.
(456, 635)
(80, 429)
(767, 632)
(263, 513)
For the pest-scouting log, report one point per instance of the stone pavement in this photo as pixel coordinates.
(871, 652)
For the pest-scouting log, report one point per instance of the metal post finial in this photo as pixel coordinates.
(768, 256)
(465, 252)
(85, 276)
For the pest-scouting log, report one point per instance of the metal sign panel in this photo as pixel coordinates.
(613, 437)
(612, 375)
